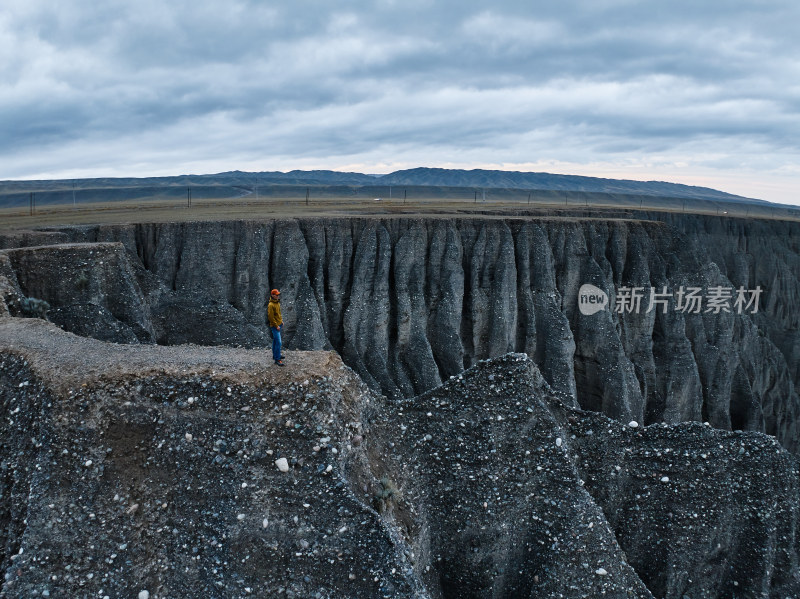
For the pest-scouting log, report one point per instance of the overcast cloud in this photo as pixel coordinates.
(684, 91)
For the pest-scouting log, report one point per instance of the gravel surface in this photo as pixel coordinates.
(65, 360)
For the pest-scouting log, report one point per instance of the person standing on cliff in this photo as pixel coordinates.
(275, 325)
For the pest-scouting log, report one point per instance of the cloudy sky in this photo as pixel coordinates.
(703, 93)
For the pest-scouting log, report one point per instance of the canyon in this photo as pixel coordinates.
(452, 420)
(408, 303)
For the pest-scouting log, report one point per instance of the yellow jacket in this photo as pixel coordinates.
(274, 313)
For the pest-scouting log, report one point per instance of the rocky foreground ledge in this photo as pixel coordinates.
(186, 471)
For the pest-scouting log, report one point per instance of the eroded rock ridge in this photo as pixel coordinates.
(408, 303)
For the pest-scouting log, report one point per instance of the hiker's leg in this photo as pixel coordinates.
(276, 344)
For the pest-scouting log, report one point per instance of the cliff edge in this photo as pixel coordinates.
(206, 471)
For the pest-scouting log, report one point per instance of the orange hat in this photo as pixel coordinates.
(275, 292)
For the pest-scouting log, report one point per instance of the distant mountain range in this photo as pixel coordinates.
(546, 181)
(238, 183)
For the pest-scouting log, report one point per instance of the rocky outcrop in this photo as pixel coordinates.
(138, 467)
(92, 288)
(507, 492)
(25, 238)
(204, 471)
(410, 302)
(10, 293)
(98, 290)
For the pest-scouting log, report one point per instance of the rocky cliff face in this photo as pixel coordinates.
(408, 303)
(204, 471)
(507, 492)
(136, 467)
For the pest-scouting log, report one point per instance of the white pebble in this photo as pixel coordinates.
(282, 464)
(665, 479)
(188, 436)
(240, 517)
(87, 463)
(633, 424)
(144, 595)
(558, 442)
(601, 571)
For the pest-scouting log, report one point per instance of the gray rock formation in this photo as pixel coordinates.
(507, 492)
(142, 467)
(86, 283)
(10, 293)
(128, 467)
(411, 302)
(97, 290)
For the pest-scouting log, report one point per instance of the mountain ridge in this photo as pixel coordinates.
(421, 176)
(500, 179)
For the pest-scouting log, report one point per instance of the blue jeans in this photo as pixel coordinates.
(276, 344)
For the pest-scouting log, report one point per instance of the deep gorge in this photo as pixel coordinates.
(408, 303)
